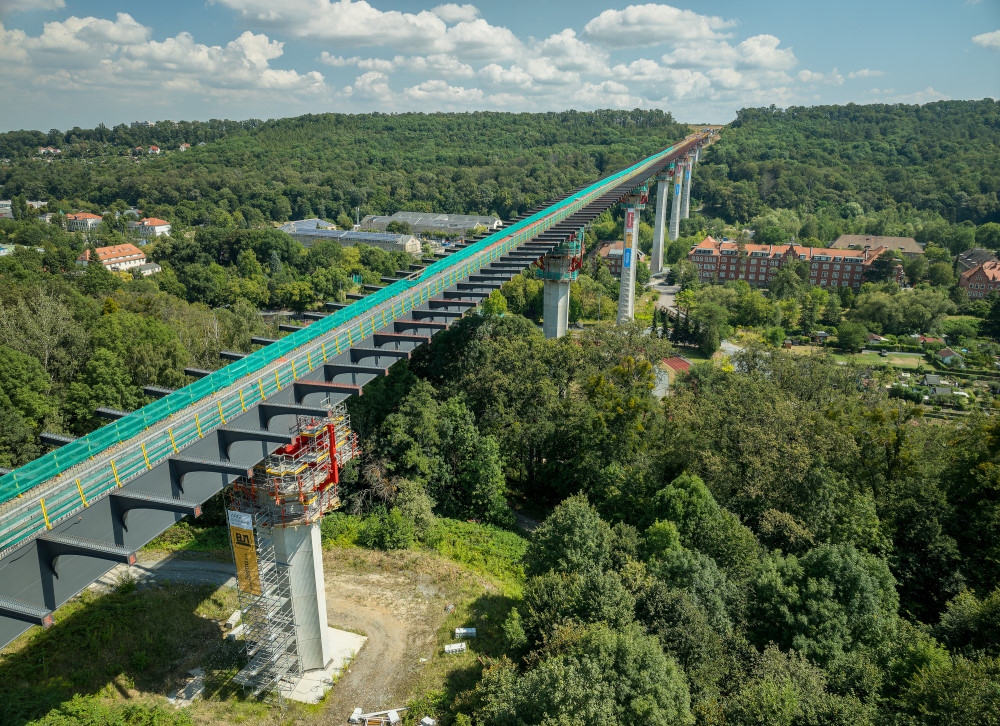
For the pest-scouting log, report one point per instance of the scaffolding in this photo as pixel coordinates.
(295, 485)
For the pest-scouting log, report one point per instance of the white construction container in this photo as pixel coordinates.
(455, 648)
(465, 632)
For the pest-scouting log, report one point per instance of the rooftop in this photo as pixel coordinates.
(710, 245)
(308, 227)
(105, 254)
(990, 270)
(862, 241)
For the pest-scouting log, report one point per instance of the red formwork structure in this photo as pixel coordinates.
(300, 481)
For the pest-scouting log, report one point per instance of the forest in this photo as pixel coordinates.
(776, 542)
(780, 540)
(333, 165)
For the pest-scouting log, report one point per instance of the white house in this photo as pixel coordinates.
(150, 227)
(118, 257)
(82, 221)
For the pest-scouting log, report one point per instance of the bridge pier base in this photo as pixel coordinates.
(299, 548)
(555, 308)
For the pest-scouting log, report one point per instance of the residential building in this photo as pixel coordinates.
(149, 268)
(82, 221)
(758, 264)
(431, 222)
(7, 207)
(950, 357)
(184, 147)
(906, 246)
(149, 227)
(981, 280)
(140, 124)
(117, 258)
(613, 253)
(6, 250)
(969, 259)
(313, 231)
(154, 149)
(49, 150)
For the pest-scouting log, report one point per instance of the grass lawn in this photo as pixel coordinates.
(903, 361)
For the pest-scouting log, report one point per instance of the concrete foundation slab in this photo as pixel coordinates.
(315, 683)
(192, 688)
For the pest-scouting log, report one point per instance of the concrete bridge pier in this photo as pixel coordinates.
(634, 204)
(559, 268)
(675, 211)
(555, 308)
(656, 257)
(686, 204)
(298, 547)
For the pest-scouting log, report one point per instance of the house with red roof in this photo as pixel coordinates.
(150, 227)
(981, 280)
(82, 221)
(117, 257)
(154, 149)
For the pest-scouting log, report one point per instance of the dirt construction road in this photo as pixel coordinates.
(398, 600)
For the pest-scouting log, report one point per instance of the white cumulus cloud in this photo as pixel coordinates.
(356, 23)
(652, 24)
(988, 40)
(566, 50)
(833, 78)
(865, 73)
(758, 51)
(371, 85)
(438, 91)
(13, 6)
(75, 35)
(455, 13)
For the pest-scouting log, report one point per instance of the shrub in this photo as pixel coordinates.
(387, 531)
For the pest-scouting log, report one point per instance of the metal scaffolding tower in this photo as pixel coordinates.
(292, 487)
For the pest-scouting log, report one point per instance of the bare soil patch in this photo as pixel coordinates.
(398, 600)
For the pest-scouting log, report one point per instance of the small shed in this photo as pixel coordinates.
(950, 357)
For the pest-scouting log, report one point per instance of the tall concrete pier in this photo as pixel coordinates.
(662, 187)
(630, 255)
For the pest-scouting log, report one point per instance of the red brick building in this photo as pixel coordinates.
(758, 264)
(981, 279)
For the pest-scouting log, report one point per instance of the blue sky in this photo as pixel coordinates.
(80, 62)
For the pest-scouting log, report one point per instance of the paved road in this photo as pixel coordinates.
(667, 292)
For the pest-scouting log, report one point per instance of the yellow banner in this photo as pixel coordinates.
(246, 556)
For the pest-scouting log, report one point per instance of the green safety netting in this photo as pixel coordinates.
(54, 463)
